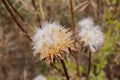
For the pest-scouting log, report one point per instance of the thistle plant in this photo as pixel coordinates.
(52, 41)
(91, 37)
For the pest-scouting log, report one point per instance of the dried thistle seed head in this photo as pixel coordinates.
(91, 35)
(85, 23)
(51, 41)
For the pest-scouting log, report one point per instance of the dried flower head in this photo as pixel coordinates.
(90, 35)
(51, 41)
(86, 23)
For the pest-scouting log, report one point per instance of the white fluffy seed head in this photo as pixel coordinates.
(86, 23)
(51, 40)
(91, 35)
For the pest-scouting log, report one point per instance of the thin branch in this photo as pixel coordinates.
(72, 15)
(89, 66)
(12, 15)
(41, 10)
(73, 27)
(65, 69)
(16, 11)
(117, 5)
(77, 64)
(75, 56)
(38, 17)
(29, 25)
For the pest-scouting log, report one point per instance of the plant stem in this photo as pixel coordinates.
(38, 17)
(41, 10)
(15, 11)
(73, 28)
(65, 69)
(77, 65)
(89, 66)
(72, 15)
(30, 26)
(75, 56)
(116, 6)
(12, 15)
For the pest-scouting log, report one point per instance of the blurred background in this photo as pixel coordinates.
(16, 55)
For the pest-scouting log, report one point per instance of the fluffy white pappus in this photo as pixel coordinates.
(86, 23)
(51, 39)
(40, 77)
(91, 35)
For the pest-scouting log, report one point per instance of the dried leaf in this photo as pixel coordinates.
(94, 4)
(80, 5)
(83, 8)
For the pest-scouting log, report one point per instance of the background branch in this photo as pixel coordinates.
(38, 17)
(12, 15)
